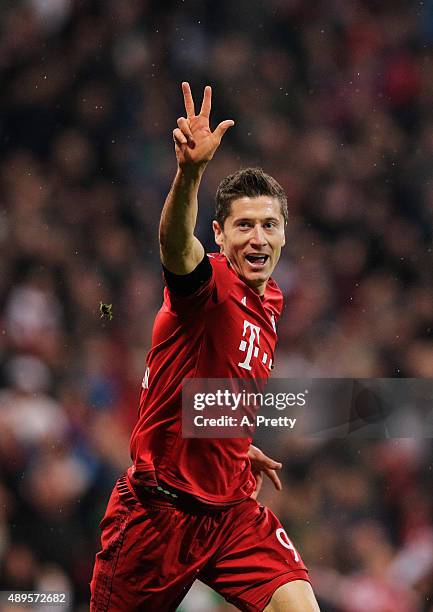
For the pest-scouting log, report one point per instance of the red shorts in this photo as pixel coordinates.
(153, 551)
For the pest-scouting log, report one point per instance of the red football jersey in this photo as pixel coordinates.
(223, 330)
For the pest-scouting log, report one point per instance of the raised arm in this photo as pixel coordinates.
(195, 145)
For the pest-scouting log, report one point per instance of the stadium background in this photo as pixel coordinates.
(335, 99)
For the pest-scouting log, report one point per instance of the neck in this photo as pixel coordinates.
(259, 289)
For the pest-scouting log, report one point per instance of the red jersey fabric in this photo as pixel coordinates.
(224, 330)
(153, 550)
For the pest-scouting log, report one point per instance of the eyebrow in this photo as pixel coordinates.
(254, 219)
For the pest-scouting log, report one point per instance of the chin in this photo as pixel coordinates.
(254, 281)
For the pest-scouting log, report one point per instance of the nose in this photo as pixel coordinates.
(258, 237)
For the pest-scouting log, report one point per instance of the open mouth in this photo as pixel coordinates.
(257, 261)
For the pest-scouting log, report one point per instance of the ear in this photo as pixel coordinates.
(284, 233)
(218, 232)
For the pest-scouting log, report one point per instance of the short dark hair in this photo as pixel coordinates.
(248, 182)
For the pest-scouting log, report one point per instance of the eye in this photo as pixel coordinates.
(270, 224)
(244, 224)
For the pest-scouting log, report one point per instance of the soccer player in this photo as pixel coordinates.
(186, 509)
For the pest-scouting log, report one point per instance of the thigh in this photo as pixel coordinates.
(140, 565)
(292, 597)
(255, 559)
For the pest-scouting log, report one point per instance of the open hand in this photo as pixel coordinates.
(195, 143)
(262, 464)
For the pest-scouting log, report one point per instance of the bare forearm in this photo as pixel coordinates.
(181, 251)
(195, 145)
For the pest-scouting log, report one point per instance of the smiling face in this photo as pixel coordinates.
(251, 238)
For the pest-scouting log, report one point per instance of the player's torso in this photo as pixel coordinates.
(239, 337)
(225, 331)
(232, 336)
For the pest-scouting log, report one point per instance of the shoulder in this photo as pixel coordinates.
(209, 284)
(223, 275)
(274, 297)
(218, 261)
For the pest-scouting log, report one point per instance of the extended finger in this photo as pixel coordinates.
(179, 137)
(222, 128)
(270, 463)
(263, 460)
(184, 126)
(275, 465)
(272, 475)
(259, 481)
(207, 102)
(187, 98)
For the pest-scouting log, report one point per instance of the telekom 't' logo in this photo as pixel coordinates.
(252, 333)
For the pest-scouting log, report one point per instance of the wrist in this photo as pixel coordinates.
(192, 172)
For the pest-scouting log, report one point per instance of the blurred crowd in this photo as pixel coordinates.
(332, 97)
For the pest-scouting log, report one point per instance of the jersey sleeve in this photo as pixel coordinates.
(188, 294)
(207, 286)
(188, 284)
